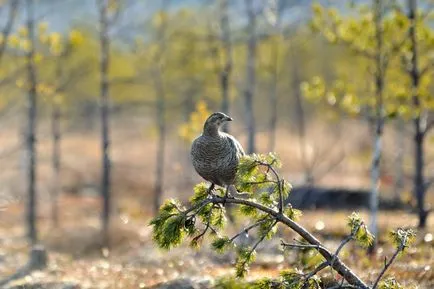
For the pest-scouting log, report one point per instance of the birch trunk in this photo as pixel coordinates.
(250, 77)
(379, 118)
(105, 118)
(55, 165)
(274, 89)
(399, 159)
(161, 117)
(227, 68)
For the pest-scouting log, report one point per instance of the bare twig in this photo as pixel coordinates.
(315, 271)
(300, 246)
(259, 241)
(247, 229)
(387, 264)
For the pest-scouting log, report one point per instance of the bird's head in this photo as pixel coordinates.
(214, 121)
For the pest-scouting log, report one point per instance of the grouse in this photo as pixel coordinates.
(215, 154)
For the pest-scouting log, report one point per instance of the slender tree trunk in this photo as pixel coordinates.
(56, 157)
(225, 74)
(399, 159)
(31, 129)
(300, 118)
(161, 144)
(13, 7)
(105, 118)
(56, 151)
(419, 121)
(375, 177)
(161, 111)
(250, 77)
(273, 114)
(274, 83)
(379, 118)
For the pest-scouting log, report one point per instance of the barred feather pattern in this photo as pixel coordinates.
(216, 155)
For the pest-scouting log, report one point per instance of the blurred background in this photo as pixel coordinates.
(101, 99)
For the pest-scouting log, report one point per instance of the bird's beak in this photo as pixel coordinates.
(229, 119)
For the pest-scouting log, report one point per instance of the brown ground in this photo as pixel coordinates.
(74, 250)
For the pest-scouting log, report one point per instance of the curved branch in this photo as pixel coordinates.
(338, 265)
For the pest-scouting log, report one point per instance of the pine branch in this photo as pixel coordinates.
(337, 265)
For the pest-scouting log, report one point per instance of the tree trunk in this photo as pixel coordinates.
(161, 118)
(56, 182)
(300, 118)
(227, 69)
(375, 177)
(399, 159)
(419, 121)
(105, 118)
(379, 118)
(274, 82)
(250, 77)
(273, 114)
(161, 144)
(31, 129)
(12, 15)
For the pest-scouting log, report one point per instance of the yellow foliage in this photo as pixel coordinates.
(37, 58)
(188, 131)
(55, 40)
(25, 44)
(42, 27)
(159, 19)
(14, 41)
(75, 38)
(23, 32)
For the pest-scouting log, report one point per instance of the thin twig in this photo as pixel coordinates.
(315, 271)
(279, 182)
(300, 246)
(387, 265)
(259, 242)
(247, 229)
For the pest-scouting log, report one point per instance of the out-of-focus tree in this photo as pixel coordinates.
(108, 11)
(250, 81)
(377, 39)
(31, 124)
(159, 66)
(417, 100)
(273, 13)
(5, 32)
(52, 88)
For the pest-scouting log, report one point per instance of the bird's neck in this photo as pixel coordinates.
(210, 130)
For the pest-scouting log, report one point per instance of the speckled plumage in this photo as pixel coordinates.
(215, 154)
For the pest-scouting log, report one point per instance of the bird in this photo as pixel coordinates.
(216, 155)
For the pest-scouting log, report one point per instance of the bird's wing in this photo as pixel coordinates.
(236, 144)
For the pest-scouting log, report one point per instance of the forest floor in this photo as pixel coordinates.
(76, 258)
